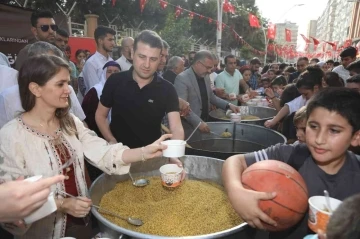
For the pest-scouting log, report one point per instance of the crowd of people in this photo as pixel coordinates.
(102, 114)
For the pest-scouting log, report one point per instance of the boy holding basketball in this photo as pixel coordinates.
(333, 124)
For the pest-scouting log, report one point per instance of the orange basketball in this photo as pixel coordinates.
(291, 201)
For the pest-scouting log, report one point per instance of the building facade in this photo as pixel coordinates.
(354, 30)
(312, 27)
(280, 33)
(334, 23)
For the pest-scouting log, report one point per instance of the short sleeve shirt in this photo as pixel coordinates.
(296, 104)
(136, 113)
(340, 186)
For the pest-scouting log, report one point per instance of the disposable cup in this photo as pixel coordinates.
(318, 215)
(171, 175)
(175, 148)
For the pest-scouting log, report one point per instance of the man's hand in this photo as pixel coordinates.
(204, 128)
(269, 93)
(184, 107)
(234, 108)
(220, 92)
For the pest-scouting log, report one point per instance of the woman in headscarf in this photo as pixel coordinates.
(92, 97)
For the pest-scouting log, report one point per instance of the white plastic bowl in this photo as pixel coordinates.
(175, 148)
(46, 209)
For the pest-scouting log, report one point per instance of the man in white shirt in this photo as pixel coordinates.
(10, 103)
(125, 61)
(348, 55)
(105, 42)
(8, 77)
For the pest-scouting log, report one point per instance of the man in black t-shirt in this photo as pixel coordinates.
(139, 99)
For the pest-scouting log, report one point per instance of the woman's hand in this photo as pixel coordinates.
(180, 165)
(155, 149)
(77, 207)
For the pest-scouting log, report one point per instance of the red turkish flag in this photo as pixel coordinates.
(163, 4)
(305, 39)
(210, 20)
(271, 31)
(333, 44)
(347, 43)
(287, 35)
(228, 7)
(142, 5)
(254, 21)
(113, 2)
(316, 41)
(178, 11)
(223, 26)
(191, 15)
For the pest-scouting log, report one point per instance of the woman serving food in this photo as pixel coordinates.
(46, 137)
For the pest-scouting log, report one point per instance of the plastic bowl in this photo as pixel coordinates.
(318, 217)
(175, 148)
(171, 175)
(46, 209)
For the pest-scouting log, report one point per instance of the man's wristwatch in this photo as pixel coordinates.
(227, 106)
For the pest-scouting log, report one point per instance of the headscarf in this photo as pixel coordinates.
(100, 86)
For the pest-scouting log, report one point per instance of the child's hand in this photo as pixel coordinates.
(246, 204)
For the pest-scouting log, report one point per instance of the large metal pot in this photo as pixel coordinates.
(200, 168)
(264, 113)
(245, 138)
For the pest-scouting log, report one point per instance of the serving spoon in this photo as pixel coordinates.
(130, 220)
(142, 182)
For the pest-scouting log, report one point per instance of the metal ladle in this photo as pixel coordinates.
(142, 182)
(130, 220)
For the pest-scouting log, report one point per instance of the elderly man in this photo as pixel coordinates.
(174, 67)
(193, 85)
(125, 61)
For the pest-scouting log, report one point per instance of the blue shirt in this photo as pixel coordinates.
(253, 82)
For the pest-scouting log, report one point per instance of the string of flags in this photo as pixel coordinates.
(227, 8)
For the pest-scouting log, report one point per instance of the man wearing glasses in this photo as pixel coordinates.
(193, 85)
(125, 61)
(301, 65)
(44, 29)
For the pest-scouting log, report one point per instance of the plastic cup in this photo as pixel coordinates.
(235, 117)
(318, 216)
(175, 148)
(170, 175)
(46, 209)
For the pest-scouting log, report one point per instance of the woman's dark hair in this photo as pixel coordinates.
(282, 66)
(332, 79)
(310, 78)
(290, 69)
(39, 70)
(79, 51)
(345, 221)
(245, 68)
(290, 92)
(279, 80)
(340, 100)
(265, 69)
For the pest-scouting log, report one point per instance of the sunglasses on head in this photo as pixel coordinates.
(45, 28)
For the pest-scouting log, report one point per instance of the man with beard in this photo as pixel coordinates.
(193, 85)
(164, 57)
(301, 65)
(43, 28)
(105, 42)
(254, 79)
(139, 98)
(125, 61)
(174, 67)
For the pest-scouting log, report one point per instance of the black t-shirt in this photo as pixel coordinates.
(340, 186)
(136, 113)
(204, 97)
